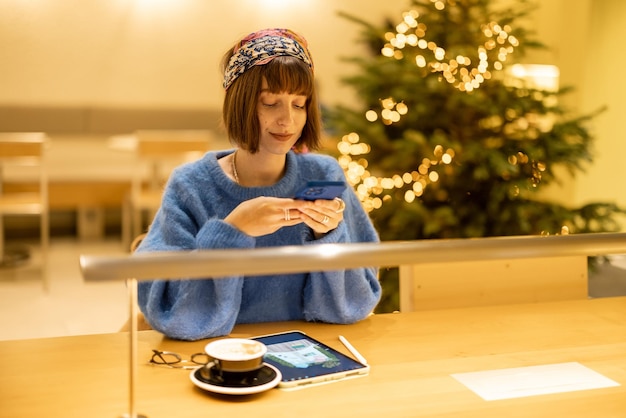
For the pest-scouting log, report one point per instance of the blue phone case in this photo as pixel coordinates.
(326, 190)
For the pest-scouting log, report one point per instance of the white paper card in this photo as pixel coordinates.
(533, 380)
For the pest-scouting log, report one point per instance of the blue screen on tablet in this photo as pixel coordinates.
(302, 359)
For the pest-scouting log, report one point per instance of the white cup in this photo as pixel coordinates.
(235, 354)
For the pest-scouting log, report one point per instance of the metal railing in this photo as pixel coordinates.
(297, 259)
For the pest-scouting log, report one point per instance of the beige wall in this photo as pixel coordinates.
(155, 52)
(165, 53)
(603, 84)
(586, 39)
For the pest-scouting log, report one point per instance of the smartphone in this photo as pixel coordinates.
(327, 190)
(303, 360)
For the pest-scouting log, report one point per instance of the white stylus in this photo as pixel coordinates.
(353, 350)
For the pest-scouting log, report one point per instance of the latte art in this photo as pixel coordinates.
(235, 349)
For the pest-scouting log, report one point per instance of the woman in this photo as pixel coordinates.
(243, 198)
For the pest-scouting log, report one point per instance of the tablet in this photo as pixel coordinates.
(303, 360)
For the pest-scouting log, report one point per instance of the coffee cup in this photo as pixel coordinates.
(234, 355)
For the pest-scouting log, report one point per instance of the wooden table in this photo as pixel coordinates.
(412, 357)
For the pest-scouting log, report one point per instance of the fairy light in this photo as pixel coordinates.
(372, 190)
(390, 113)
(458, 71)
(371, 116)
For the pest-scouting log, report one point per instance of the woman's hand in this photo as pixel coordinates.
(265, 215)
(322, 216)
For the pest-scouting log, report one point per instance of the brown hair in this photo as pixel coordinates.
(284, 74)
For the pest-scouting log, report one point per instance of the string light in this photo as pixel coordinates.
(391, 112)
(373, 191)
(457, 70)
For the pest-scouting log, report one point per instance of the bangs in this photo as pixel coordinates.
(289, 75)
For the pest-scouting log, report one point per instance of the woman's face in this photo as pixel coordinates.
(282, 117)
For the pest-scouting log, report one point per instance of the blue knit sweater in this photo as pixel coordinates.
(196, 199)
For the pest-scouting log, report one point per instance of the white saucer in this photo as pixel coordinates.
(270, 376)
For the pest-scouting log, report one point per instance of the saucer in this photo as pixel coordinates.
(263, 379)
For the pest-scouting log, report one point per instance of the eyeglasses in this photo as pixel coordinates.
(175, 360)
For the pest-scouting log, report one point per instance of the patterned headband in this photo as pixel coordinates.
(261, 47)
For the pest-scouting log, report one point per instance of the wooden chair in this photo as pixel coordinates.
(158, 152)
(492, 282)
(22, 155)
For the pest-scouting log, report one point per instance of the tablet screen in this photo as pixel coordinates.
(303, 360)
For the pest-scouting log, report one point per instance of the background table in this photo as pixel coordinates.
(412, 357)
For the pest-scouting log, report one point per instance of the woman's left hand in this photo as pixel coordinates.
(322, 216)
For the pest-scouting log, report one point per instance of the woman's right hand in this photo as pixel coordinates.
(264, 215)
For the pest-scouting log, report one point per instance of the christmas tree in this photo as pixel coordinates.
(446, 140)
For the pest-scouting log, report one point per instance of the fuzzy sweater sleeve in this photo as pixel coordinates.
(190, 309)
